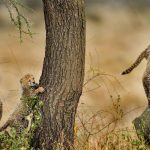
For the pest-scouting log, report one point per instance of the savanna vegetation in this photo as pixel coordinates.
(109, 102)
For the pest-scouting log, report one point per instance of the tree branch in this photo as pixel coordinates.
(13, 8)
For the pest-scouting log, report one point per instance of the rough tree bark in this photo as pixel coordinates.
(63, 72)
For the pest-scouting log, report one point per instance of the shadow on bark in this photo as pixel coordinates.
(142, 126)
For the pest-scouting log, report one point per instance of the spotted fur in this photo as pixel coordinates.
(18, 119)
(146, 76)
(144, 54)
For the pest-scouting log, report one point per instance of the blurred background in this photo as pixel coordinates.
(117, 32)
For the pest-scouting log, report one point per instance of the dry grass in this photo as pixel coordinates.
(101, 131)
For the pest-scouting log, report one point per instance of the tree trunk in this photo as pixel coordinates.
(63, 72)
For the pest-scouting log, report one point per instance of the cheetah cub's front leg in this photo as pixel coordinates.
(39, 90)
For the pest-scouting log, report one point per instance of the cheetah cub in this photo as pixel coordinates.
(146, 76)
(18, 119)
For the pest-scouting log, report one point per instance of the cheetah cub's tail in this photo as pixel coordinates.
(136, 63)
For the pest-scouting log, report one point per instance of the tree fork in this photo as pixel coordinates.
(63, 72)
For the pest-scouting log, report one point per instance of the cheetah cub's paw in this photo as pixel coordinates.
(40, 89)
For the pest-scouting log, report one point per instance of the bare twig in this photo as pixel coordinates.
(90, 79)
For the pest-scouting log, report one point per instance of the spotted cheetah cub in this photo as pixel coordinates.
(146, 76)
(18, 119)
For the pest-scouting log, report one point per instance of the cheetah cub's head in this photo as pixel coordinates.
(28, 81)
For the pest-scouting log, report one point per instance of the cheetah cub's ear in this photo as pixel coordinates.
(21, 80)
(21, 83)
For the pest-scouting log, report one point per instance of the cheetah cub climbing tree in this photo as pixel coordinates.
(18, 119)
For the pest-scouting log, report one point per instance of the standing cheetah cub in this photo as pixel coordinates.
(146, 76)
(18, 119)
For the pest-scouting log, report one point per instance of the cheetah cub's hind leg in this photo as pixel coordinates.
(29, 118)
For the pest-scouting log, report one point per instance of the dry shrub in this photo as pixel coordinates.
(99, 131)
